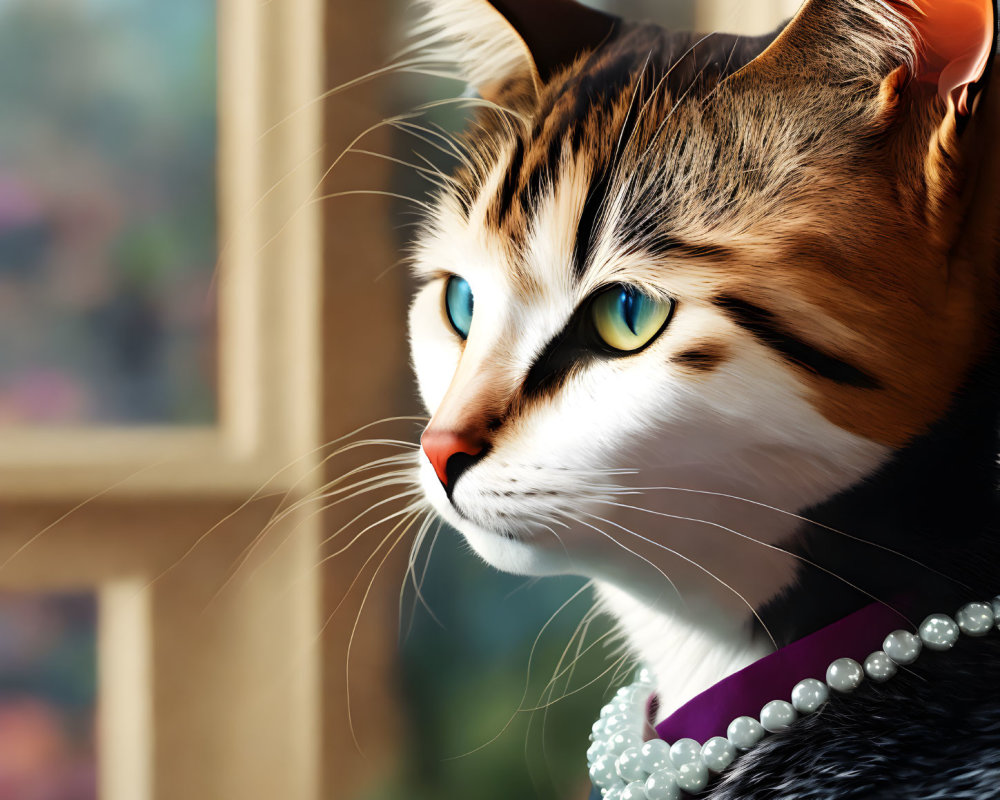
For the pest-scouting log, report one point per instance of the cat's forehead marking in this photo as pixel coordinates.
(653, 173)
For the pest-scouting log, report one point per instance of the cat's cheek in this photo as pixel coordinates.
(434, 347)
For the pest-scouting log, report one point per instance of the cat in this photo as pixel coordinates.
(712, 321)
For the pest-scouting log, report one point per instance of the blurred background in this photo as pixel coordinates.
(199, 289)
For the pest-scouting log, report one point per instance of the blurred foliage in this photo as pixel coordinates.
(465, 679)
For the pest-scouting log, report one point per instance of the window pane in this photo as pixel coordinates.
(47, 696)
(107, 210)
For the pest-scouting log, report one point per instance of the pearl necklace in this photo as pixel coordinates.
(626, 767)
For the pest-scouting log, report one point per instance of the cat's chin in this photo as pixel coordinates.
(513, 555)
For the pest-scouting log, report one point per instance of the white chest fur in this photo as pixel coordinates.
(687, 656)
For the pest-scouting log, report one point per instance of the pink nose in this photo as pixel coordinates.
(440, 446)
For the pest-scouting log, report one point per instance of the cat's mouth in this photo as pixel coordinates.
(452, 509)
(501, 535)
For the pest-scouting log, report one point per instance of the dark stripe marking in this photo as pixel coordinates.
(669, 245)
(510, 182)
(703, 358)
(601, 182)
(766, 328)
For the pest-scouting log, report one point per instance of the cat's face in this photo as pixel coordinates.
(721, 279)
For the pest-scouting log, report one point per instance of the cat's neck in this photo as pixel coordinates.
(685, 655)
(687, 609)
(921, 530)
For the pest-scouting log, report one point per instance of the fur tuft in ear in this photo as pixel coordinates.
(556, 31)
(477, 40)
(499, 42)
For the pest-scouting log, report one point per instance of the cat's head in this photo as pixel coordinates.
(741, 266)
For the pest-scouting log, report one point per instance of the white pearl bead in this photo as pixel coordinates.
(939, 632)
(621, 742)
(777, 716)
(597, 749)
(662, 785)
(995, 603)
(614, 793)
(975, 619)
(629, 711)
(646, 678)
(693, 776)
(635, 791)
(683, 751)
(844, 675)
(629, 766)
(718, 753)
(654, 755)
(602, 773)
(615, 723)
(744, 732)
(902, 647)
(630, 698)
(879, 667)
(809, 695)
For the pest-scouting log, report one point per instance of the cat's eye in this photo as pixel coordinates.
(626, 319)
(458, 304)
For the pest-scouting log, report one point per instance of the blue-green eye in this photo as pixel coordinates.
(458, 304)
(627, 319)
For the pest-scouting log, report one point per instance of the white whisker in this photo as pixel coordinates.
(768, 545)
(793, 515)
(683, 557)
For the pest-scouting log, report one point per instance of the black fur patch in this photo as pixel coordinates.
(932, 732)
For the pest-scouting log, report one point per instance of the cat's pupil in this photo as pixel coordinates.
(629, 308)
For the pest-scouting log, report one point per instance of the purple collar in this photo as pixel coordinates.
(773, 677)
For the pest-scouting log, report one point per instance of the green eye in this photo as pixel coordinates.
(626, 319)
(458, 304)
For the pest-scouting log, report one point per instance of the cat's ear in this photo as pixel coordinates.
(956, 41)
(501, 42)
(917, 69)
(947, 43)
